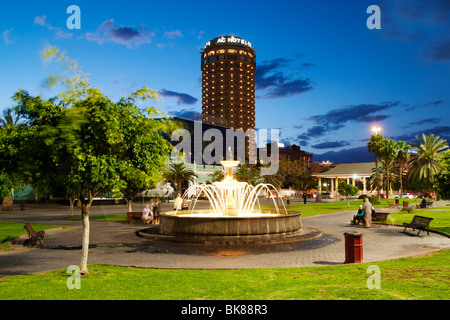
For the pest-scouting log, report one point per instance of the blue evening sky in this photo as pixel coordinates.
(323, 78)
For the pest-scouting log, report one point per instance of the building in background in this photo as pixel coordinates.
(228, 66)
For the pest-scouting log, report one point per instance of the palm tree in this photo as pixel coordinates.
(177, 173)
(8, 118)
(387, 176)
(374, 147)
(426, 163)
(403, 155)
(388, 151)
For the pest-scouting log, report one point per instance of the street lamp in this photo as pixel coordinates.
(376, 129)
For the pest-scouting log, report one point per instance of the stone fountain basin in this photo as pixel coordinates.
(199, 222)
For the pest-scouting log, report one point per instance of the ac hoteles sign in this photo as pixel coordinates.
(228, 40)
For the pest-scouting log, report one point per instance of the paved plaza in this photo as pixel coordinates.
(118, 243)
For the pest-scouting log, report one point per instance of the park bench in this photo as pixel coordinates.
(392, 204)
(134, 216)
(380, 217)
(418, 222)
(35, 236)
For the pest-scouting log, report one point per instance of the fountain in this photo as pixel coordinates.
(234, 212)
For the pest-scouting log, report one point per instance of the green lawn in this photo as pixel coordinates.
(418, 278)
(441, 216)
(313, 208)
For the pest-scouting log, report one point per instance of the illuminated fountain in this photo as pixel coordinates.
(234, 211)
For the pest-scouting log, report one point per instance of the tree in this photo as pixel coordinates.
(93, 143)
(425, 164)
(442, 178)
(217, 175)
(248, 173)
(9, 119)
(348, 190)
(387, 175)
(388, 151)
(374, 145)
(177, 173)
(13, 140)
(403, 155)
(11, 151)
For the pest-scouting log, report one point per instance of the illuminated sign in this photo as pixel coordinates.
(228, 40)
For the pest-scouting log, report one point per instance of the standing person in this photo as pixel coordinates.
(156, 209)
(304, 197)
(147, 215)
(368, 207)
(177, 203)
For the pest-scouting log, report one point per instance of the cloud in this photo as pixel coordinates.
(173, 34)
(424, 22)
(441, 131)
(59, 33)
(131, 37)
(330, 144)
(6, 36)
(440, 52)
(182, 98)
(270, 77)
(335, 119)
(424, 105)
(187, 114)
(423, 121)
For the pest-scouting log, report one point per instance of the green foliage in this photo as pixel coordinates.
(426, 164)
(348, 190)
(442, 178)
(176, 173)
(249, 174)
(408, 209)
(217, 175)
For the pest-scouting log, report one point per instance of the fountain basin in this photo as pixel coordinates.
(202, 222)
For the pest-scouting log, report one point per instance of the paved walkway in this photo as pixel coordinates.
(116, 243)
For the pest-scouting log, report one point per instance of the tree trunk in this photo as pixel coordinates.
(378, 176)
(85, 210)
(401, 180)
(71, 200)
(129, 201)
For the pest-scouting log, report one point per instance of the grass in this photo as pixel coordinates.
(418, 278)
(441, 216)
(10, 230)
(335, 206)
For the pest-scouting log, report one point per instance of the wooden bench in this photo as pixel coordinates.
(35, 236)
(380, 217)
(134, 216)
(418, 222)
(392, 204)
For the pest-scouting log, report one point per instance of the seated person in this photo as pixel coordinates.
(147, 215)
(185, 204)
(424, 203)
(359, 217)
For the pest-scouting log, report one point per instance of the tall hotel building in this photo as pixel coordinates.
(228, 83)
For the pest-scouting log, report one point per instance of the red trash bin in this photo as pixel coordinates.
(353, 247)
